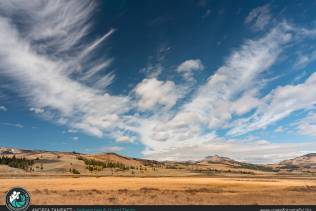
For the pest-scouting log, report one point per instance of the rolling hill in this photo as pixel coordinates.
(38, 162)
(305, 163)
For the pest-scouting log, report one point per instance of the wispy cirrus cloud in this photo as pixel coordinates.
(304, 59)
(45, 55)
(259, 17)
(307, 125)
(17, 125)
(278, 104)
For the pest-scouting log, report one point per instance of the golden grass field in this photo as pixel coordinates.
(165, 190)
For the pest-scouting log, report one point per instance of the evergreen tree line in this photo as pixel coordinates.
(100, 165)
(14, 162)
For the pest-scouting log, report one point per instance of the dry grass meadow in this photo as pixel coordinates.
(165, 190)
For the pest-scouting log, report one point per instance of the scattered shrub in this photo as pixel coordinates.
(75, 171)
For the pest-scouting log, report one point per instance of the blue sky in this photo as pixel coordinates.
(163, 80)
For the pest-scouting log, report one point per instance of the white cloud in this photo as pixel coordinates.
(188, 67)
(75, 138)
(278, 104)
(279, 129)
(245, 103)
(214, 103)
(152, 71)
(37, 110)
(72, 131)
(123, 139)
(59, 25)
(304, 59)
(3, 108)
(307, 125)
(44, 58)
(93, 71)
(259, 17)
(155, 65)
(90, 48)
(17, 125)
(152, 93)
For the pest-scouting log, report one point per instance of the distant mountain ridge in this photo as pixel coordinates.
(307, 161)
(63, 162)
(219, 159)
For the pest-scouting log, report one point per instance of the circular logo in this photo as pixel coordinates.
(17, 199)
